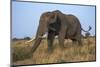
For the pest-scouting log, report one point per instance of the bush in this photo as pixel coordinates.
(27, 38)
(21, 53)
(14, 39)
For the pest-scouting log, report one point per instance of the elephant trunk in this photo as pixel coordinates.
(40, 32)
(36, 44)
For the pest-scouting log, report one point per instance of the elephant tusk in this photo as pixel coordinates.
(32, 40)
(29, 41)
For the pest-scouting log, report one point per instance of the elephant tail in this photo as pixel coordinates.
(87, 30)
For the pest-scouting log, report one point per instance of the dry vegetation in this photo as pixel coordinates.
(72, 52)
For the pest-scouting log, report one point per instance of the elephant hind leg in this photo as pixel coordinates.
(79, 40)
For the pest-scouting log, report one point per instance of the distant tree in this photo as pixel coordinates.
(14, 39)
(27, 38)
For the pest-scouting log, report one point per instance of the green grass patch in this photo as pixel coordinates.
(21, 53)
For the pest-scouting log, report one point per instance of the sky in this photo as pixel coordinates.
(26, 15)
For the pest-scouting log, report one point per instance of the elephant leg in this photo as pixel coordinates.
(78, 38)
(74, 41)
(50, 40)
(79, 41)
(61, 36)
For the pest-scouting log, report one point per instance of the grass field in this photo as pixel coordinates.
(72, 53)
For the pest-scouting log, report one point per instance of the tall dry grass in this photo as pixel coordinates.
(71, 53)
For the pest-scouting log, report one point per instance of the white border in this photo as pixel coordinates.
(5, 33)
(89, 2)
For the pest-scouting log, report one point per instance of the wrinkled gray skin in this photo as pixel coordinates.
(58, 24)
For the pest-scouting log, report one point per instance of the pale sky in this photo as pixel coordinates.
(26, 15)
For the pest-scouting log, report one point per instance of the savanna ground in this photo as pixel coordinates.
(72, 53)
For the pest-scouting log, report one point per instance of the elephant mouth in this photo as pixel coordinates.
(53, 29)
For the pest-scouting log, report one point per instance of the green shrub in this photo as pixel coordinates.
(21, 53)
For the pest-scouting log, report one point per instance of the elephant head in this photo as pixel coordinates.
(48, 21)
(54, 23)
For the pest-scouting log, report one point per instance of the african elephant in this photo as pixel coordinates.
(56, 23)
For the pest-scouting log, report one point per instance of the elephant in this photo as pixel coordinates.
(56, 23)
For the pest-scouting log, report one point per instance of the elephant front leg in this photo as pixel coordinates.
(61, 36)
(50, 41)
(61, 41)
